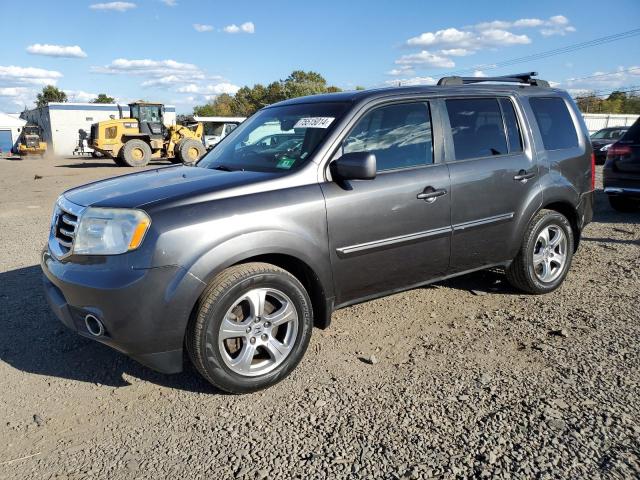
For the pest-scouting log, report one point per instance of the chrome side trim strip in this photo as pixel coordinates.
(392, 241)
(483, 221)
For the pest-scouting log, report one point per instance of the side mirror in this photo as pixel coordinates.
(355, 166)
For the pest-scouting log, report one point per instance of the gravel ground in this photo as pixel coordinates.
(466, 378)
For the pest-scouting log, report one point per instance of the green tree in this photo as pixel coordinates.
(248, 100)
(103, 98)
(50, 93)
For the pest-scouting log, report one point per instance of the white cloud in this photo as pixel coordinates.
(412, 81)
(425, 58)
(247, 27)
(71, 51)
(210, 89)
(479, 73)
(600, 81)
(114, 6)
(441, 45)
(80, 96)
(556, 25)
(458, 39)
(170, 3)
(13, 91)
(199, 27)
(147, 67)
(12, 75)
(401, 70)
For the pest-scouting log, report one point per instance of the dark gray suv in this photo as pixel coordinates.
(238, 257)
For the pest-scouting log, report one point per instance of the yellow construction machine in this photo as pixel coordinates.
(136, 140)
(31, 141)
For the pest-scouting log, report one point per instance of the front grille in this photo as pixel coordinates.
(66, 229)
(64, 224)
(32, 141)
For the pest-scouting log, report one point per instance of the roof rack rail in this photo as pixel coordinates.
(526, 78)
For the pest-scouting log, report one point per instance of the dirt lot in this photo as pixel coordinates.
(486, 384)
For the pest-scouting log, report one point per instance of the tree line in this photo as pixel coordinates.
(616, 102)
(51, 93)
(248, 100)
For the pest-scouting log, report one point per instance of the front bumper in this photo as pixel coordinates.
(144, 311)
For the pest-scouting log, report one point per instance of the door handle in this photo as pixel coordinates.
(524, 176)
(430, 194)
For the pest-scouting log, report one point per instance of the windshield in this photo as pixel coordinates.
(275, 139)
(608, 134)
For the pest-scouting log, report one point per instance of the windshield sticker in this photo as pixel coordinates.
(286, 163)
(314, 122)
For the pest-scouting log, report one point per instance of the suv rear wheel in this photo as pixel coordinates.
(545, 256)
(251, 328)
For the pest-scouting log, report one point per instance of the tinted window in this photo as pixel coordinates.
(511, 122)
(554, 122)
(477, 127)
(399, 136)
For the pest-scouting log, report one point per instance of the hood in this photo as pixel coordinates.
(152, 186)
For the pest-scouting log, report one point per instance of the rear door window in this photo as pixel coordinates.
(554, 122)
(477, 127)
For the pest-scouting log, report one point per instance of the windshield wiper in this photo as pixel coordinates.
(223, 168)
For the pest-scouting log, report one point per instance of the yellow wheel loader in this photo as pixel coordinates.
(31, 141)
(136, 140)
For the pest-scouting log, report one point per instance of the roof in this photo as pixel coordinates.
(359, 95)
(7, 120)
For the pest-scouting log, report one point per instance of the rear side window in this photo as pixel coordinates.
(554, 122)
(477, 127)
(511, 122)
(399, 135)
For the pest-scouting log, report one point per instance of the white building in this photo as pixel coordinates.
(596, 121)
(10, 128)
(61, 122)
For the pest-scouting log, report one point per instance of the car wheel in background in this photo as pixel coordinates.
(545, 256)
(250, 328)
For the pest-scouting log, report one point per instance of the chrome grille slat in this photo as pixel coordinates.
(63, 229)
(69, 221)
(67, 233)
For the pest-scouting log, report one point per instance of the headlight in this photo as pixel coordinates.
(606, 147)
(110, 231)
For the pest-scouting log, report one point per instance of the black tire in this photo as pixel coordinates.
(176, 155)
(136, 153)
(622, 204)
(190, 150)
(202, 333)
(119, 160)
(521, 273)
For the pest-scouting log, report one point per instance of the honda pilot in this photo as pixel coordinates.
(236, 258)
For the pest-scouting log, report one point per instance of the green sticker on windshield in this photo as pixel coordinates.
(286, 163)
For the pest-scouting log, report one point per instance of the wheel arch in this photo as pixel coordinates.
(569, 211)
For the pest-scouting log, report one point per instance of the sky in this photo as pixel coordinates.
(185, 52)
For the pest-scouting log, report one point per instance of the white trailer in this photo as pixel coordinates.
(597, 121)
(10, 128)
(216, 128)
(61, 122)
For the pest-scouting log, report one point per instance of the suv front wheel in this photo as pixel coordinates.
(251, 328)
(545, 256)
